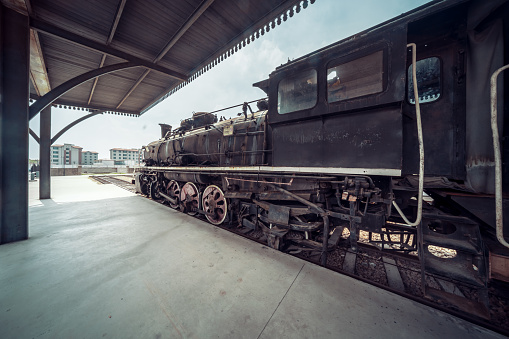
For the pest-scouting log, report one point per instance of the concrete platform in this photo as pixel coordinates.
(104, 263)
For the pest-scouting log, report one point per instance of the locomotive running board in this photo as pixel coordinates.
(393, 172)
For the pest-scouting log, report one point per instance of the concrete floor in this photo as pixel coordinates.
(104, 263)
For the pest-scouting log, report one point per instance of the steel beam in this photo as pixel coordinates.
(113, 29)
(47, 28)
(181, 31)
(34, 135)
(44, 154)
(101, 64)
(57, 92)
(74, 123)
(14, 88)
(133, 87)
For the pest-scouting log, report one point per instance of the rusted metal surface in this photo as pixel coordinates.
(214, 204)
(207, 144)
(499, 267)
(172, 201)
(189, 198)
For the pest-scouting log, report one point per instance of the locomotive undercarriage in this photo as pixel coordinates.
(292, 213)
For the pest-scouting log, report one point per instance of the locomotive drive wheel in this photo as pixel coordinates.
(153, 193)
(190, 198)
(214, 204)
(173, 191)
(144, 189)
(144, 184)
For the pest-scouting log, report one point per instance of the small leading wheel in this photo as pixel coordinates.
(173, 191)
(153, 190)
(144, 185)
(214, 204)
(190, 198)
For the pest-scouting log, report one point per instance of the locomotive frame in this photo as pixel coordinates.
(337, 147)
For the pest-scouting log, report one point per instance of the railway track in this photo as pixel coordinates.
(122, 181)
(397, 272)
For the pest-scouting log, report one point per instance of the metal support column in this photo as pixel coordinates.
(44, 154)
(14, 95)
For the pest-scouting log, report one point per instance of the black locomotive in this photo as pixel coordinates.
(344, 143)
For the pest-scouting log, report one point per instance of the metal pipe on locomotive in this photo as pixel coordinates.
(335, 149)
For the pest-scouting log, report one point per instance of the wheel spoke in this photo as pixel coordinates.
(153, 190)
(189, 197)
(173, 190)
(214, 204)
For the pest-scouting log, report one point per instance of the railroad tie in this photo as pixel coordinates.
(450, 287)
(393, 275)
(349, 263)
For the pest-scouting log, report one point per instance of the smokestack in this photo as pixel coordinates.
(164, 129)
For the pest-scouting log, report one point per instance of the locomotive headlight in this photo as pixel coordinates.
(146, 149)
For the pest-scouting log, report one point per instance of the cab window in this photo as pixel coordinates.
(297, 92)
(428, 80)
(355, 78)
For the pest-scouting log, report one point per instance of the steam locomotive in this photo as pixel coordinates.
(394, 131)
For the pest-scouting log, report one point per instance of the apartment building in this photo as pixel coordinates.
(69, 154)
(66, 154)
(123, 156)
(89, 157)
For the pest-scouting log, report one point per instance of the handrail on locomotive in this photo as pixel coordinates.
(418, 121)
(498, 158)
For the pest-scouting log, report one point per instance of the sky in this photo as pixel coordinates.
(230, 82)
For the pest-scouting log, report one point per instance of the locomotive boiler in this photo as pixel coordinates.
(395, 132)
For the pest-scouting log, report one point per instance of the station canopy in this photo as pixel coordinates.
(158, 45)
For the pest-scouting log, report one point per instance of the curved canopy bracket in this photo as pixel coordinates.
(66, 128)
(34, 135)
(57, 92)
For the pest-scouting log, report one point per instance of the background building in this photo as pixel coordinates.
(123, 156)
(69, 154)
(89, 157)
(66, 154)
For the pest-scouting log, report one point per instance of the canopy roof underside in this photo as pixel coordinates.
(172, 41)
